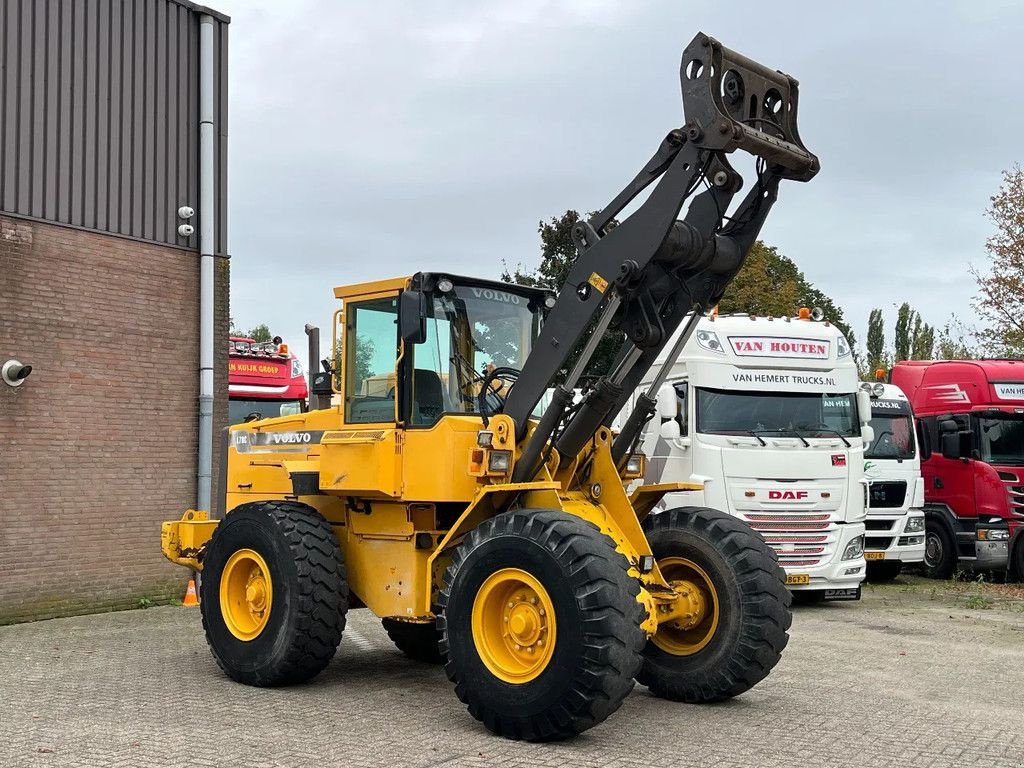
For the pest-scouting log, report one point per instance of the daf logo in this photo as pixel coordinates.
(492, 295)
(787, 495)
(289, 438)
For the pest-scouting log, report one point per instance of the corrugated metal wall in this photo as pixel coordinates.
(99, 115)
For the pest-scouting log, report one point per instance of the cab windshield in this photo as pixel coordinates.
(894, 437)
(471, 332)
(1002, 439)
(785, 414)
(240, 411)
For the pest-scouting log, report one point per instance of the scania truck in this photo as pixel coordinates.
(265, 380)
(768, 414)
(892, 464)
(972, 413)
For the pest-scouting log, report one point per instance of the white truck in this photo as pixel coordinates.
(767, 413)
(892, 463)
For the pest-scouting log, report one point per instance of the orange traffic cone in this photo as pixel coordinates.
(191, 599)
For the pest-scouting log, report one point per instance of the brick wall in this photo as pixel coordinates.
(99, 444)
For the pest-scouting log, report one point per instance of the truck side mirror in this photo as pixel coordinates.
(670, 429)
(668, 404)
(863, 407)
(949, 439)
(867, 433)
(412, 317)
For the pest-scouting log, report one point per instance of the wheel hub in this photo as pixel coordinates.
(514, 625)
(687, 623)
(246, 594)
(932, 550)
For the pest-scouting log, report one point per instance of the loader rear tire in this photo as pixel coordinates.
(274, 594)
(420, 642)
(540, 625)
(748, 615)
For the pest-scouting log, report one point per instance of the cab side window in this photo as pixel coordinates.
(371, 352)
(682, 393)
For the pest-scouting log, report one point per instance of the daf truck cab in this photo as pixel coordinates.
(973, 413)
(768, 415)
(892, 465)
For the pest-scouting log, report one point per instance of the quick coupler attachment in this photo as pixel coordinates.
(732, 102)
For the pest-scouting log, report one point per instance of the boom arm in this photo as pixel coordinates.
(653, 269)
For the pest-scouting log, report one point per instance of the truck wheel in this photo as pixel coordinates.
(540, 625)
(939, 551)
(880, 572)
(417, 641)
(1015, 573)
(746, 607)
(274, 594)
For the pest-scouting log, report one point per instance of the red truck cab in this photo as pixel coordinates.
(264, 380)
(971, 416)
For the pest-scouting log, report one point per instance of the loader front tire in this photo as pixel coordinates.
(540, 625)
(273, 594)
(748, 613)
(417, 641)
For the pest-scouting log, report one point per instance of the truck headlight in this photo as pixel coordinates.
(993, 534)
(854, 549)
(914, 525)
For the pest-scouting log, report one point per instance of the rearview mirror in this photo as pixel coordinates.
(951, 439)
(669, 429)
(867, 432)
(412, 317)
(668, 407)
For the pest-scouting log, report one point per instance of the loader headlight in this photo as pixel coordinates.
(914, 525)
(709, 340)
(854, 549)
(636, 464)
(484, 438)
(499, 462)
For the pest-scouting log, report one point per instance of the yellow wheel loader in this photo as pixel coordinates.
(489, 534)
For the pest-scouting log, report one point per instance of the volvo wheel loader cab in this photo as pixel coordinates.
(499, 543)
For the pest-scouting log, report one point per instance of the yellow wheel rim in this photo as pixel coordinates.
(514, 625)
(687, 636)
(246, 594)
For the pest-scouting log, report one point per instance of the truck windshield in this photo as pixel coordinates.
(472, 330)
(1002, 439)
(246, 410)
(807, 414)
(894, 437)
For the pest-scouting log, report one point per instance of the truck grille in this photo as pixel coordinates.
(1015, 490)
(887, 494)
(800, 539)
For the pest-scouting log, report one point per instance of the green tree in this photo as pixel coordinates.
(1000, 298)
(557, 255)
(953, 342)
(769, 283)
(876, 341)
(904, 320)
(260, 333)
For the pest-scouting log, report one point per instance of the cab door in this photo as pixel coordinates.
(363, 457)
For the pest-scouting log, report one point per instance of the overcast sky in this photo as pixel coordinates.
(371, 140)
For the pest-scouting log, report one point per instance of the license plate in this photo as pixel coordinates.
(798, 578)
(874, 555)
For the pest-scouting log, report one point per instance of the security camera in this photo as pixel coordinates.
(15, 372)
(186, 230)
(186, 212)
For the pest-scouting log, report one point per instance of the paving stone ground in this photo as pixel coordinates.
(903, 678)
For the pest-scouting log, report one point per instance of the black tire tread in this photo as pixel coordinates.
(764, 604)
(420, 642)
(598, 576)
(321, 604)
